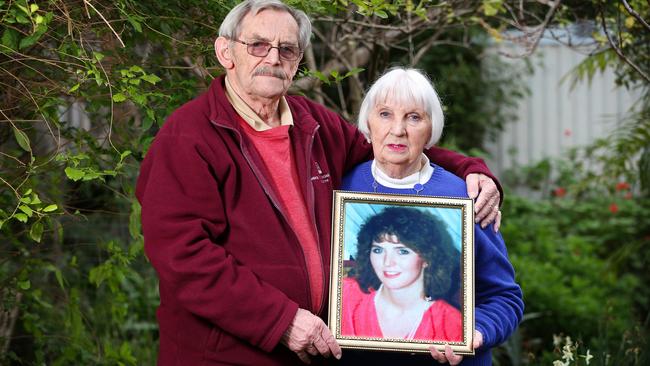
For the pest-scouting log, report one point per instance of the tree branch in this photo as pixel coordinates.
(618, 51)
(635, 14)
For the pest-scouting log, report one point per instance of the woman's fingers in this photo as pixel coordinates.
(452, 358)
(437, 355)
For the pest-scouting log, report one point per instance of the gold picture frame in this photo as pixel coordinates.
(353, 313)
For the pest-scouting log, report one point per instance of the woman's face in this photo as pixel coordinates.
(396, 265)
(398, 134)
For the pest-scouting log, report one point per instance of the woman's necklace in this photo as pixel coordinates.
(417, 187)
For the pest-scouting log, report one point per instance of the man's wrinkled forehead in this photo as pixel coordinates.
(251, 28)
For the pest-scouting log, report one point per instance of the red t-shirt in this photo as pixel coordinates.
(274, 147)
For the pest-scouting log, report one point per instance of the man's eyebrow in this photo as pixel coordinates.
(258, 37)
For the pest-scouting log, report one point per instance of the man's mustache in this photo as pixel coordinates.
(270, 71)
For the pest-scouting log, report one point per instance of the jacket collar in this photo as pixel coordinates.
(224, 114)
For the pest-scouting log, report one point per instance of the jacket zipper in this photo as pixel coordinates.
(311, 207)
(268, 192)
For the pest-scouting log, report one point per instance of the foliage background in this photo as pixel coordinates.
(74, 283)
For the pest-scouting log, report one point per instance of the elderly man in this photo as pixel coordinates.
(236, 203)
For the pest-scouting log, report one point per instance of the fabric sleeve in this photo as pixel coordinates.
(461, 165)
(499, 304)
(182, 219)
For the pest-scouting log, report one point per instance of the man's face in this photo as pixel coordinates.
(269, 76)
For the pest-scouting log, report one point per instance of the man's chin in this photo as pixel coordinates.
(270, 90)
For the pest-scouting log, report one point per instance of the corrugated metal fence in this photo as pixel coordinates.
(555, 117)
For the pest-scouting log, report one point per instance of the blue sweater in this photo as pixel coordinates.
(498, 302)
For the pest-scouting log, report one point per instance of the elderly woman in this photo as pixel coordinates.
(401, 115)
(405, 258)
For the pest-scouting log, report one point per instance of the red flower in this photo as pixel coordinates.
(567, 132)
(613, 208)
(622, 186)
(628, 196)
(559, 192)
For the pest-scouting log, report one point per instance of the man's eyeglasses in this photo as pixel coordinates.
(261, 49)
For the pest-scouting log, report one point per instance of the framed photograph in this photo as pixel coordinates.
(402, 274)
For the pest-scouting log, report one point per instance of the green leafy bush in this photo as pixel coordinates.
(581, 251)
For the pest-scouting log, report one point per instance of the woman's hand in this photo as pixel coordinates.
(450, 356)
(486, 206)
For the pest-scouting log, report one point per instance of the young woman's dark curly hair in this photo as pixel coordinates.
(420, 231)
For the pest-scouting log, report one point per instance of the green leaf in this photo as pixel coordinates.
(489, 10)
(322, 77)
(382, 14)
(119, 97)
(23, 8)
(136, 25)
(33, 8)
(26, 199)
(74, 88)
(10, 38)
(57, 274)
(21, 217)
(50, 208)
(32, 39)
(137, 69)
(27, 210)
(24, 285)
(35, 199)
(59, 278)
(151, 78)
(74, 174)
(124, 154)
(22, 139)
(147, 122)
(22, 19)
(139, 99)
(135, 228)
(2, 222)
(36, 231)
(354, 71)
(492, 7)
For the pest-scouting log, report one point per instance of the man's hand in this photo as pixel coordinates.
(486, 206)
(308, 335)
(450, 356)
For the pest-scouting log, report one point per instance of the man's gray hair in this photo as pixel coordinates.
(231, 26)
(406, 87)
